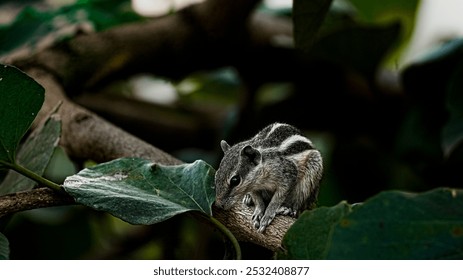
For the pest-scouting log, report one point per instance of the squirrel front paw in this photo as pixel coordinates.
(256, 217)
(287, 211)
(247, 200)
(265, 221)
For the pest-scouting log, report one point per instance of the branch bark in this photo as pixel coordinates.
(208, 35)
(27, 200)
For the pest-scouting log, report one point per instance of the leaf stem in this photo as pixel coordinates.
(228, 234)
(31, 175)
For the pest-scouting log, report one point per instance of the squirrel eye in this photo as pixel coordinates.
(235, 181)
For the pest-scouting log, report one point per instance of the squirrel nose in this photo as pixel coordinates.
(219, 203)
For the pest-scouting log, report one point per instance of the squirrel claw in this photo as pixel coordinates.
(256, 217)
(247, 200)
(287, 211)
(265, 221)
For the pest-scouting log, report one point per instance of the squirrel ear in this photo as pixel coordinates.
(253, 155)
(224, 145)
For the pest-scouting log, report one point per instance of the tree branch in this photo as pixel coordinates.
(27, 200)
(173, 45)
(85, 135)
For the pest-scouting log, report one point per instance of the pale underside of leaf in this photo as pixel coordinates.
(140, 192)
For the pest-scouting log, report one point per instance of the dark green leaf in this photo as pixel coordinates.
(428, 77)
(31, 25)
(140, 192)
(302, 243)
(391, 225)
(20, 100)
(426, 80)
(358, 47)
(4, 247)
(308, 17)
(374, 12)
(384, 12)
(398, 225)
(34, 154)
(59, 167)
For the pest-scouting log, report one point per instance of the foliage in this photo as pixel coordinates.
(22, 92)
(421, 149)
(140, 192)
(390, 225)
(4, 247)
(32, 25)
(134, 190)
(34, 154)
(308, 17)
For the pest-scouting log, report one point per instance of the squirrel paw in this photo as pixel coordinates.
(287, 211)
(247, 200)
(265, 221)
(256, 217)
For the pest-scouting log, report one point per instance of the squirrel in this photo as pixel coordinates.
(278, 171)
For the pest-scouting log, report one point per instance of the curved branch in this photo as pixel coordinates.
(27, 200)
(173, 45)
(86, 135)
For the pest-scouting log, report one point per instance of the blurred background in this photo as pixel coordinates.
(381, 99)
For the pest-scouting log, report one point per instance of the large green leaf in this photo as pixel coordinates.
(308, 17)
(20, 100)
(321, 222)
(4, 247)
(391, 225)
(140, 192)
(34, 155)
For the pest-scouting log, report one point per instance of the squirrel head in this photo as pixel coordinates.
(231, 182)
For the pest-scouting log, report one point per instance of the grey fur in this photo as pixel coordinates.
(278, 171)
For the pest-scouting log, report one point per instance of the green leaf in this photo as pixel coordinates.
(31, 25)
(391, 225)
(425, 80)
(308, 17)
(321, 222)
(384, 12)
(428, 77)
(379, 12)
(34, 155)
(20, 100)
(140, 192)
(362, 48)
(4, 247)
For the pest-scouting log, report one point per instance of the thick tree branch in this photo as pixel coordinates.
(87, 136)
